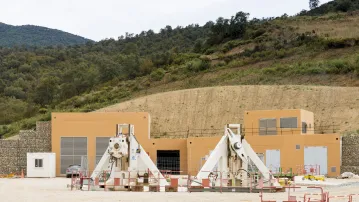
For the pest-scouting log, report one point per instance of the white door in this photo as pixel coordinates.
(316, 156)
(272, 160)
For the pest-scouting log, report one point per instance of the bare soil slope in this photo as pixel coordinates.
(213, 107)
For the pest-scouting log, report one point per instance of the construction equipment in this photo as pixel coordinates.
(231, 156)
(126, 161)
(314, 177)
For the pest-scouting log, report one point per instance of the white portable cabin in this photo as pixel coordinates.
(41, 165)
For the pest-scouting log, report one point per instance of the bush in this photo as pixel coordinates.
(339, 43)
(42, 110)
(259, 32)
(197, 65)
(344, 6)
(157, 74)
(29, 123)
(210, 50)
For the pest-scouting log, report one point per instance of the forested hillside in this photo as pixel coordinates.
(319, 50)
(332, 6)
(30, 35)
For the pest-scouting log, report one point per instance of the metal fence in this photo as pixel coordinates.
(210, 132)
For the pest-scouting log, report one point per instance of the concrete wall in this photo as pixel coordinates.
(13, 152)
(350, 154)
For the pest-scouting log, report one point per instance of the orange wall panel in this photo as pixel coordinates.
(92, 125)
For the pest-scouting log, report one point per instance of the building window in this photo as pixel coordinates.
(267, 126)
(38, 163)
(297, 146)
(304, 127)
(73, 152)
(289, 122)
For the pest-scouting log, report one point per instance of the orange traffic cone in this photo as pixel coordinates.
(22, 173)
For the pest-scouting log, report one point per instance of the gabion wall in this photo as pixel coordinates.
(13, 152)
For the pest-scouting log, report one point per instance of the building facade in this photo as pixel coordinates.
(284, 139)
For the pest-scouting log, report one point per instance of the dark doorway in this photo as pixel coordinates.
(168, 161)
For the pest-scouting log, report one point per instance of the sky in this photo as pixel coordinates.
(101, 19)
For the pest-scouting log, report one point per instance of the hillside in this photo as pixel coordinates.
(287, 50)
(30, 35)
(336, 109)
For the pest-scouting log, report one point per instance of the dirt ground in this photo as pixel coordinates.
(336, 109)
(55, 190)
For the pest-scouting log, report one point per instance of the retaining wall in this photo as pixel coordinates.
(350, 154)
(13, 152)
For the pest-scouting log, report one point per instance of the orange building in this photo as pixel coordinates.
(282, 138)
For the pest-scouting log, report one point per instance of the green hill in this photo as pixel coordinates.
(30, 35)
(299, 50)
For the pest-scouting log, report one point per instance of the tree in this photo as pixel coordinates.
(238, 25)
(313, 4)
(46, 90)
(344, 6)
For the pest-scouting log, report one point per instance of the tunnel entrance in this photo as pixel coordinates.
(168, 160)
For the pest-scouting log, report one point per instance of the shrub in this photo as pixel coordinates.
(210, 51)
(197, 65)
(42, 110)
(157, 74)
(259, 32)
(270, 71)
(339, 43)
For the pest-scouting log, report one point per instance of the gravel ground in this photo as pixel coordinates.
(55, 190)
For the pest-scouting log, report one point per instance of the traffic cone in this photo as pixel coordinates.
(22, 173)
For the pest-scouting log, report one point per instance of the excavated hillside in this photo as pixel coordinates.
(213, 107)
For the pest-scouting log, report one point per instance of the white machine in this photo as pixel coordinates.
(231, 159)
(126, 162)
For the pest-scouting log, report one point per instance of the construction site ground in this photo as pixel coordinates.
(55, 190)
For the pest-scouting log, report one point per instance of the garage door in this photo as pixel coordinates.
(73, 151)
(316, 156)
(272, 159)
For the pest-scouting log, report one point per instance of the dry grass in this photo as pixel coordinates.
(346, 27)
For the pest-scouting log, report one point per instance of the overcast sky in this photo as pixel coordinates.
(100, 19)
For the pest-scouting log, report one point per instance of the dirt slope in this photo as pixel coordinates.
(213, 107)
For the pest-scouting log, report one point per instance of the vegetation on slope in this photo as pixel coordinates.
(30, 35)
(283, 50)
(330, 7)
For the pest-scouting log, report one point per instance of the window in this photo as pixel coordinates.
(297, 146)
(304, 127)
(267, 126)
(73, 152)
(38, 163)
(289, 122)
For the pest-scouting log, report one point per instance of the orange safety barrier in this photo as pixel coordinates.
(174, 182)
(205, 182)
(116, 181)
